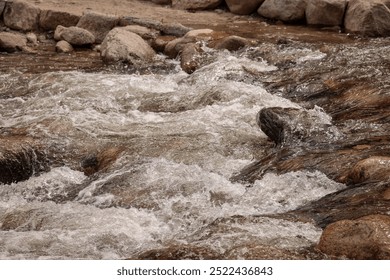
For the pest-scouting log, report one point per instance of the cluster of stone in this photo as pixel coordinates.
(366, 17)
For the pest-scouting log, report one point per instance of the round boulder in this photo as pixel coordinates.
(243, 7)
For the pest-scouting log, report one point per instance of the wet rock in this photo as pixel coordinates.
(64, 47)
(98, 24)
(189, 58)
(49, 19)
(289, 126)
(245, 7)
(325, 12)
(284, 10)
(20, 15)
(22, 220)
(20, 159)
(261, 252)
(74, 35)
(364, 238)
(370, 18)
(196, 4)
(231, 43)
(123, 45)
(161, 42)
(174, 47)
(96, 162)
(180, 252)
(12, 42)
(375, 168)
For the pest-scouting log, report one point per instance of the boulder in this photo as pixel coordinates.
(174, 29)
(161, 42)
(365, 238)
(74, 35)
(49, 19)
(289, 126)
(98, 24)
(196, 4)
(231, 43)
(12, 42)
(284, 10)
(243, 7)
(20, 159)
(370, 18)
(63, 47)
(174, 47)
(20, 15)
(326, 12)
(121, 44)
(376, 168)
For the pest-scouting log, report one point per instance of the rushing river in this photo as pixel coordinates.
(178, 139)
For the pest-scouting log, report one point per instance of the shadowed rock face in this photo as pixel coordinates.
(20, 159)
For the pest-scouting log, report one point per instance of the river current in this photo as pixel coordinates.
(179, 138)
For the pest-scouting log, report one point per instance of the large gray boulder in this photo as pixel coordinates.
(121, 44)
(326, 12)
(75, 36)
(98, 24)
(12, 42)
(284, 10)
(49, 19)
(368, 17)
(243, 7)
(196, 4)
(20, 15)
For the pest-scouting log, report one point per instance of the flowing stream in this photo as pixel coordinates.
(177, 140)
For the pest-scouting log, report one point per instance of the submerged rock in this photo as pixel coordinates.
(98, 24)
(241, 7)
(12, 42)
(195, 4)
(289, 126)
(180, 252)
(20, 15)
(365, 238)
(189, 58)
(121, 44)
(371, 18)
(284, 10)
(49, 19)
(326, 12)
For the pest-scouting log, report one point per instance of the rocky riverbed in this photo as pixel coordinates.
(141, 131)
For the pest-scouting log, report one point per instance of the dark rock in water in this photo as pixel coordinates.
(365, 238)
(20, 159)
(231, 43)
(49, 19)
(180, 252)
(189, 58)
(95, 162)
(289, 126)
(98, 24)
(174, 47)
